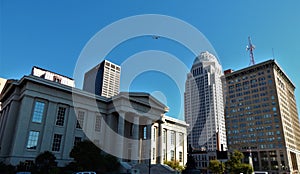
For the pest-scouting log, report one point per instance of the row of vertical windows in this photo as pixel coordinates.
(38, 113)
(33, 138)
(172, 137)
(37, 117)
(172, 155)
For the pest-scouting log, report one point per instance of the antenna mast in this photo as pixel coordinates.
(250, 48)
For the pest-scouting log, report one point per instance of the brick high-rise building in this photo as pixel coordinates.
(261, 117)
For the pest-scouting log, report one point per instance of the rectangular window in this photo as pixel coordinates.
(164, 136)
(77, 140)
(153, 154)
(32, 140)
(180, 139)
(80, 119)
(180, 156)
(98, 123)
(56, 142)
(131, 129)
(145, 132)
(154, 133)
(172, 155)
(172, 138)
(60, 119)
(38, 112)
(164, 155)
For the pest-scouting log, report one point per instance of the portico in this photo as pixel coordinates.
(128, 126)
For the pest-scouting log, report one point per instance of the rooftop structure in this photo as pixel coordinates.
(103, 79)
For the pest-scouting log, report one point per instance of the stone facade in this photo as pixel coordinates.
(40, 114)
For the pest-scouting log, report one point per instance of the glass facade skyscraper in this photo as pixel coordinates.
(203, 100)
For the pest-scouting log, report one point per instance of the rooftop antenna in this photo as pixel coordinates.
(250, 48)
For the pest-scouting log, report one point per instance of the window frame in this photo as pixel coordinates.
(56, 142)
(37, 113)
(32, 140)
(172, 138)
(79, 121)
(180, 154)
(98, 120)
(172, 155)
(60, 120)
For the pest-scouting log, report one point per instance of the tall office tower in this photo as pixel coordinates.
(261, 117)
(203, 101)
(103, 79)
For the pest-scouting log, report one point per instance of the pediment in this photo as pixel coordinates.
(140, 100)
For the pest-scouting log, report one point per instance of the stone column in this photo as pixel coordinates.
(109, 132)
(120, 137)
(148, 139)
(159, 143)
(135, 143)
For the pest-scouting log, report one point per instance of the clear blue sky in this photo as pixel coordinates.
(51, 35)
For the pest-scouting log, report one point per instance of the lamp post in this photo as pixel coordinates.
(149, 168)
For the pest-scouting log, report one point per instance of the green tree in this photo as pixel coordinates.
(235, 165)
(88, 156)
(216, 166)
(246, 168)
(46, 163)
(174, 165)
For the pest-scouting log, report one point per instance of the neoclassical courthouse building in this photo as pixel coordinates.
(44, 111)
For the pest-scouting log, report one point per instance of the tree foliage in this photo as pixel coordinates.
(235, 165)
(216, 166)
(88, 156)
(46, 163)
(4, 168)
(246, 169)
(174, 165)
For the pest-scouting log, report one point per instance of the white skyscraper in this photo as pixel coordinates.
(103, 79)
(204, 109)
